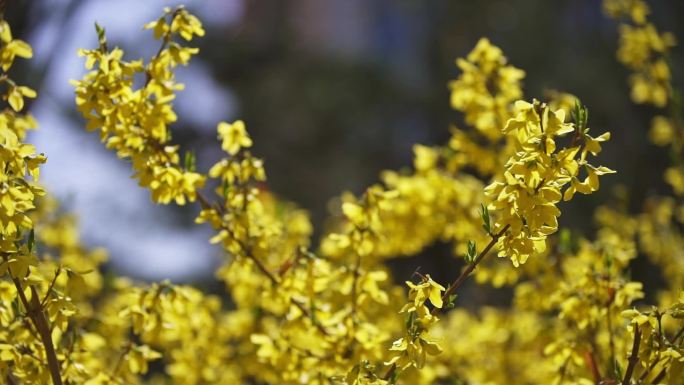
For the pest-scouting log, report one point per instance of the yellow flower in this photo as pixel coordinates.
(15, 96)
(11, 48)
(525, 202)
(233, 136)
(662, 132)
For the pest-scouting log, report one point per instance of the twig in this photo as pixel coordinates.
(590, 358)
(611, 341)
(650, 367)
(355, 281)
(634, 357)
(124, 351)
(165, 42)
(676, 337)
(52, 285)
(469, 269)
(204, 202)
(35, 312)
(458, 282)
(660, 376)
(390, 372)
(10, 379)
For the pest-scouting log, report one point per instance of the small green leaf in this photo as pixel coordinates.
(313, 312)
(353, 374)
(395, 377)
(580, 115)
(101, 38)
(486, 222)
(472, 252)
(565, 241)
(190, 161)
(409, 320)
(31, 241)
(225, 188)
(618, 370)
(451, 303)
(309, 254)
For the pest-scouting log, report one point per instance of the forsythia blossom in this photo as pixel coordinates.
(536, 175)
(306, 314)
(134, 121)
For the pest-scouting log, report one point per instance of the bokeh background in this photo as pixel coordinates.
(333, 92)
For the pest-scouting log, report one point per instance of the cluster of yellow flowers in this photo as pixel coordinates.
(643, 50)
(414, 347)
(132, 119)
(526, 201)
(486, 88)
(327, 315)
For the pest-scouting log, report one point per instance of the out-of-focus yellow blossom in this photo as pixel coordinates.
(662, 132)
(486, 88)
(233, 137)
(637, 10)
(644, 51)
(674, 176)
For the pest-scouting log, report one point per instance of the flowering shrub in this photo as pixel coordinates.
(333, 314)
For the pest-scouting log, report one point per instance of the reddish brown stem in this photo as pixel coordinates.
(35, 312)
(471, 267)
(634, 357)
(590, 359)
(204, 202)
(458, 282)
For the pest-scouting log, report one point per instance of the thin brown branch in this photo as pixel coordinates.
(471, 267)
(458, 282)
(10, 379)
(35, 312)
(390, 372)
(166, 39)
(611, 339)
(124, 351)
(650, 367)
(676, 336)
(633, 357)
(660, 376)
(27, 352)
(52, 285)
(355, 281)
(308, 313)
(590, 359)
